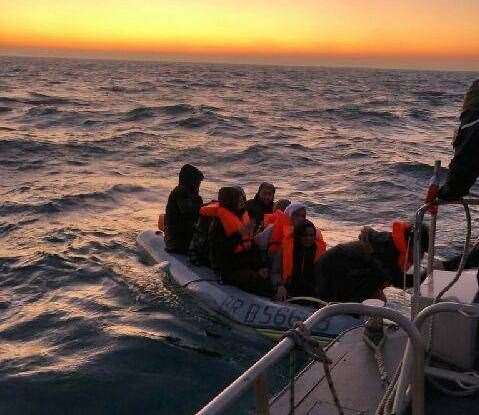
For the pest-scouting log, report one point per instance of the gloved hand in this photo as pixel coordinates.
(431, 197)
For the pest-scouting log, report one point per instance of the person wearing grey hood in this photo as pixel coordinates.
(182, 210)
(464, 166)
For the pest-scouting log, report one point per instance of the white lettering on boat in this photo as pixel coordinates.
(260, 314)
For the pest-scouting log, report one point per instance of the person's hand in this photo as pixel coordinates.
(263, 273)
(364, 238)
(281, 293)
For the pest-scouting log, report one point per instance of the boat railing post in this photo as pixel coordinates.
(417, 259)
(432, 232)
(261, 394)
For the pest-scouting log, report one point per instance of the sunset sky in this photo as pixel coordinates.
(441, 34)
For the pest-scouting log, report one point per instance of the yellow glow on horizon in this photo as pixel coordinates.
(254, 27)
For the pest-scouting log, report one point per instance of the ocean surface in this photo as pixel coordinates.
(89, 151)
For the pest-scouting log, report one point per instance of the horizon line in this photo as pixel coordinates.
(217, 60)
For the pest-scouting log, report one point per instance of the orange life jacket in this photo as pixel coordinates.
(271, 218)
(399, 230)
(231, 223)
(281, 225)
(210, 209)
(288, 253)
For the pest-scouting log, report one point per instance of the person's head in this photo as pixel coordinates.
(296, 212)
(230, 198)
(282, 204)
(190, 177)
(471, 100)
(305, 233)
(266, 193)
(242, 199)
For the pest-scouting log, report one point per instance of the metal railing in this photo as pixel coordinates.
(419, 219)
(468, 310)
(249, 378)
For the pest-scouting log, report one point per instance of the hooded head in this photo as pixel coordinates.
(191, 178)
(282, 204)
(265, 194)
(305, 233)
(296, 212)
(471, 100)
(229, 198)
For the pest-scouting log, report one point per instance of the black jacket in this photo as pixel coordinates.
(182, 212)
(348, 273)
(257, 209)
(464, 166)
(226, 261)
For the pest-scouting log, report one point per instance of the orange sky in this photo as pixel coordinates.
(427, 33)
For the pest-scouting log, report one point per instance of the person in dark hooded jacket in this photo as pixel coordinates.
(232, 249)
(182, 210)
(356, 271)
(262, 203)
(464, 166)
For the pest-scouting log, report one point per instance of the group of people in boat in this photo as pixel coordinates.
(269, 247)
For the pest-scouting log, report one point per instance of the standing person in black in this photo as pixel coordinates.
(262, 203)
(182, 210)
(464, 166)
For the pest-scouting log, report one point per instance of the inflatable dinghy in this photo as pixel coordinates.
(231, 303)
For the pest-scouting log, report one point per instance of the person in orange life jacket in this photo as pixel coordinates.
(278, 211)
(281, 204)
(464, 166)
(279, 223)
(262, 203)
(358, 270)
(231, 242)
(182, 210)
(294, 266)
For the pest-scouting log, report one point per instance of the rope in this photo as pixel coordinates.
(460, 269)
(377, 348)
(385, 406)
(464, 257)
(301, 337)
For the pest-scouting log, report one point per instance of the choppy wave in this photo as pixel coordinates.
(72, 202)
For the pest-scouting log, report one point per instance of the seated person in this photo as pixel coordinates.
(294, 266)
(233, 251)
(198, 252)
(182, 210)
(278, 211)
(280, 224)
(356, 271)
(261, 204)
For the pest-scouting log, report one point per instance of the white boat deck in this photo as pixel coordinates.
(355, 374)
